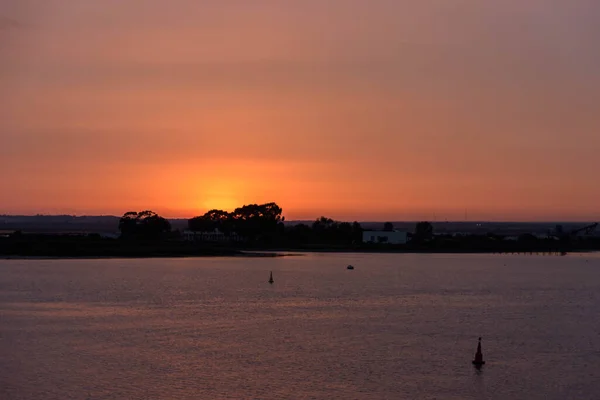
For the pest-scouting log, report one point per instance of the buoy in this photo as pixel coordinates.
(478, 361)
(271, 278)
(350, 267)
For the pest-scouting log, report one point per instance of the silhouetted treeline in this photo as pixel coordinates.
(63, 224)
(95, 246)
(144, 225)
(325, 231)
(254, 222)
(261, 227)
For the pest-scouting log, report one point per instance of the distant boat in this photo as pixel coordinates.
(271, 278)
(349, 267)
(478, 361)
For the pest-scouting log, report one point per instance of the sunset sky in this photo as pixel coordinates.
(353, 109)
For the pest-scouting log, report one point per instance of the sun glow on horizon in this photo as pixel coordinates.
(222, 192)
(222, 203)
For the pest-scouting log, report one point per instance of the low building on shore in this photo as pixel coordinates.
(385, 237)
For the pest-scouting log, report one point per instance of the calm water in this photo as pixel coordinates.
(397, 327)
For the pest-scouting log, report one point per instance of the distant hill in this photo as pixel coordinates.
(68, 223)
(110, 224)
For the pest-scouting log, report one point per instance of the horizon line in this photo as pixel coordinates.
(314, 219)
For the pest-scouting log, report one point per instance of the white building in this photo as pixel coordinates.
(389, 237)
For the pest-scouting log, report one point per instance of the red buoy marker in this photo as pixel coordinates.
(478, 361)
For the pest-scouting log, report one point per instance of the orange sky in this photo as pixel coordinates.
(354, 109)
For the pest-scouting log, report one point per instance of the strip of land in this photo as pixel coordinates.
(57, 246)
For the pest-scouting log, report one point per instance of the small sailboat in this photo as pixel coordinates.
(271, 278)
(478, 361)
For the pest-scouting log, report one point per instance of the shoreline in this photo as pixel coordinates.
(279, 253)
(241, 254)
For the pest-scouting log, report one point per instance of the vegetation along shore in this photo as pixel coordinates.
(259, 231)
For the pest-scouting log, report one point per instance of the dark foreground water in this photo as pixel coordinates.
(397, 327)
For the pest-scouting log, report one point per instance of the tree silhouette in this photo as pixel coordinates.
(357, 232)
(388, 227)
(423, 232)
(143, 225)
(252, 221)
(213, 219)
(323, 224)
(300, 233)
(127, 223)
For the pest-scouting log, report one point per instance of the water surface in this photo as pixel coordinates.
(396, 327)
